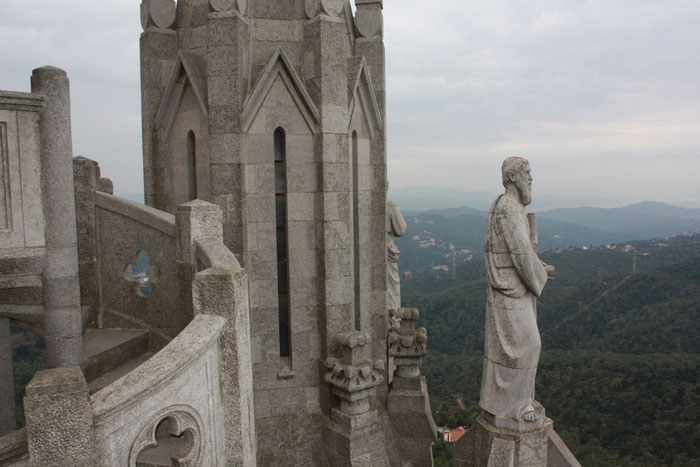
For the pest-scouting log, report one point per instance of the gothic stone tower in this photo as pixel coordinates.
(275, 111)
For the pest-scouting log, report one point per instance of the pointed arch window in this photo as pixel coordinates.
(282, 247)
(191, 166)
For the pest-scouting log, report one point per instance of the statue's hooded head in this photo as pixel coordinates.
(516, 172)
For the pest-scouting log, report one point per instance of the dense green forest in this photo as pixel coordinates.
(620, 367)
(28, 357)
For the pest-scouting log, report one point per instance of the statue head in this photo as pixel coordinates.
(516, 172)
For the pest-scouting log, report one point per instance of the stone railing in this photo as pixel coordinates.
(220, 287)
(130, 276)
(196, 393)
(181, 384)
(189, 273)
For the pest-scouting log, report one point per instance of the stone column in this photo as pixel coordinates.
(408, 401)
(356, 435)
(7, 387)
(62, 317)
(59, 418)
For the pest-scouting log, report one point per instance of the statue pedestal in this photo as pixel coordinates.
(519, 426)
(409, 409)
(487, 445)
(355, 440)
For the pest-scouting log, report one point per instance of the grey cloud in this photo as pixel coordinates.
(597, 84)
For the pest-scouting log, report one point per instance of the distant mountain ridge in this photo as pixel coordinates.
(637, 221)
(426, 198)
(463, 228)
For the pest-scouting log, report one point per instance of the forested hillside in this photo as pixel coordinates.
(620, 368)
(439, 236)
(28, 357)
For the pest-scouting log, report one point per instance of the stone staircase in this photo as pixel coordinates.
(20, 282)
(112, 353)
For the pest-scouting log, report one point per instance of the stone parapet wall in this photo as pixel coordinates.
(180, 381)
(22, 240)
(121, 230)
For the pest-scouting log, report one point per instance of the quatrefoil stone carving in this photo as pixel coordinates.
(171, 437)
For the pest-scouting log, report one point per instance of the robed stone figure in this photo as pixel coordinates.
(395, 227)
(516, 277)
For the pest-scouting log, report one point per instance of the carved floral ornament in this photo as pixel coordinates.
(404, 340)
(353, 378)
(174, 432)
(354, 372)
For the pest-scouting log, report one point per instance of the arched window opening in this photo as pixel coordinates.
(139, 271)
(282, 247)
(191, 166)
(356, 229)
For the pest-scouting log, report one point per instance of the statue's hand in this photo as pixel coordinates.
(550, 270)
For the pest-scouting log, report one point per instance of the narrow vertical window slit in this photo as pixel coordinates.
(282, 246)
(356, 230)
(191, 166)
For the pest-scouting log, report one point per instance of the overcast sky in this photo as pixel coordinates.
(603, 97)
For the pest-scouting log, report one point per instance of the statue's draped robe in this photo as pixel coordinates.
(396, 227)
(516, 277)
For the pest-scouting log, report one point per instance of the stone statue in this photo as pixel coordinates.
(516, 277)
(395, 227)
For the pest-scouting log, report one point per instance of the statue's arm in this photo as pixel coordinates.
(397, 222)
(525, 260)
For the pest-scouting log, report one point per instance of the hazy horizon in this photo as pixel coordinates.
(603, 106)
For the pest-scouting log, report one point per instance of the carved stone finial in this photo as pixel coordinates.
(222, 6)
(369, 19)
(407, 345)
(158, 13)
(354, 376)
(327, 7)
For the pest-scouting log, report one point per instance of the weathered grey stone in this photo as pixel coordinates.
(194, 220)
(7, 390)
(513, 429)
(180, 383)
(61, 283)
(228, 5)
(158, 13)
(516, 277)
(59, 418)
(269, 68)
(13, 448)
(558, 455)
(395, 227)
(485, 444)
(369, 20)
(222, 291)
